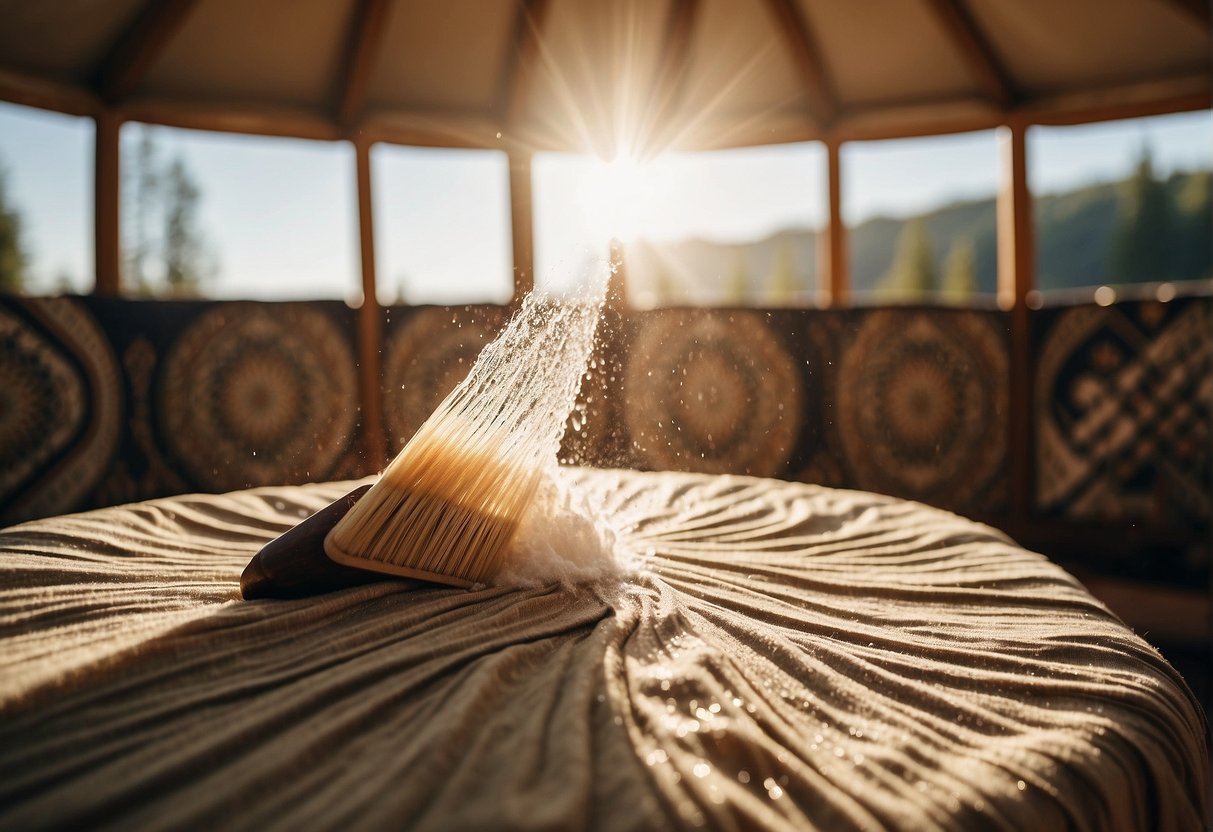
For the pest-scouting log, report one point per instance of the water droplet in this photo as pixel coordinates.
(656, 757)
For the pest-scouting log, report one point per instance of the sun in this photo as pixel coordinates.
(618, 198)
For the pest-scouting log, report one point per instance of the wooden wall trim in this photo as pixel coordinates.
(1016, 277)
(244, 117)
(522, 225)
(31, 91)
(833, 269)
(450, 128)
(370, 322)
(107, 200)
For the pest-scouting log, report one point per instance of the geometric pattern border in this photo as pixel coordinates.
(105, 399)
(1122, 412)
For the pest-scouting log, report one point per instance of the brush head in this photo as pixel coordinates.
(442, 511)
(448, 505)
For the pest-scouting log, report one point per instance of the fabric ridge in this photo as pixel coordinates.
(784, 656)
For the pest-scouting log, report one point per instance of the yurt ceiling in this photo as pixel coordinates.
(583, 75)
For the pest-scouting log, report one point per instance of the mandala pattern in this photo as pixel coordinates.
(60, 408)
(921, 403)
(254, 395)
(1122, 412)
(711, 392)
(425, 358)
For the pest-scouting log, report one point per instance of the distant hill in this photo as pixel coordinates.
(1077, 242)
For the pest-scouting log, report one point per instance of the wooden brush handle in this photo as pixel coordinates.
(293, 565)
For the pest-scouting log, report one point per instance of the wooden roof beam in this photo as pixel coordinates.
(798, 36)
(671, 74)
(1198, 10)
(975, 50)
(32, 91)
(362, 48)
(137, 48)
(519, 71)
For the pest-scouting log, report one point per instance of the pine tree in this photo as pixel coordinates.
(785, 284)
(13, 259)
(164, 250)
(183, 248)
(662, 286)
(737, 288)
(959, 272)
(1193, 242)
(912, 275)
(144, 178)
(1143, 246)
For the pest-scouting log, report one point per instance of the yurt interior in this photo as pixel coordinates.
(810, 400)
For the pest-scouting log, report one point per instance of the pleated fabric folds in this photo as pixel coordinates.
(785, 656)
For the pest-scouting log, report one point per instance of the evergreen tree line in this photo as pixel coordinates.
(1144, 228)
(164, 250)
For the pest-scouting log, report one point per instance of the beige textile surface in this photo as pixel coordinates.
(789, 656)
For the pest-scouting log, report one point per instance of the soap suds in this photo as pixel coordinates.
(561, 540)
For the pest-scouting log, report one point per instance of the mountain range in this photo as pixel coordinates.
(1077, 243)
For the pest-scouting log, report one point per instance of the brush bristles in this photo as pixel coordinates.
(441, 511)
(447, 507)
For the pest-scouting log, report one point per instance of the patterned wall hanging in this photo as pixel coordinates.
(1122, 412)
(256, 394)
(425, 356)
(711, 391)
(921, 406)
(60, 407)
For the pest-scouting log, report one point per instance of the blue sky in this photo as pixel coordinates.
(280, 214)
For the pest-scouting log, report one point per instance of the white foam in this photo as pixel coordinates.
(562, 540)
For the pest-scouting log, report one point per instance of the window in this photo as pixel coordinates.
(229, 216)
(730, 227)
(1123, 206)
(46, 193)
(442, 225)
(921, 218)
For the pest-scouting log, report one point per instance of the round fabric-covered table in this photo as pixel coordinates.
(788, 656)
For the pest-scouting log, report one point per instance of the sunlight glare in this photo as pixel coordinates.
(618, 197)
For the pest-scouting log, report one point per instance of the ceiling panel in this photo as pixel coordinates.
(286, 51)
